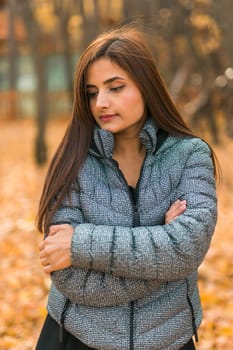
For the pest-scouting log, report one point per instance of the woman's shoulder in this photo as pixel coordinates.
(176, 151)
(187, 144)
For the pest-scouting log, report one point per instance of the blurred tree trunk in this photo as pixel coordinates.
(151, 9)
(222, 12)
(134, 10)
(12, 56)
(205, 65)
(33, 32)
(90, 21)
(62, 12)
(2, 4)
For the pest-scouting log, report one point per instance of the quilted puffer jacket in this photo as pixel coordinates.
(133, 280)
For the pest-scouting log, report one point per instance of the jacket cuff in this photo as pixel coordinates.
(81, 247)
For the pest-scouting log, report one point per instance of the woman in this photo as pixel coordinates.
(128, 209)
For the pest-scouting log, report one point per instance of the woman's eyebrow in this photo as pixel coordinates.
(110, 80)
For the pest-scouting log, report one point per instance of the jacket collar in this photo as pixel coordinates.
(103, 140)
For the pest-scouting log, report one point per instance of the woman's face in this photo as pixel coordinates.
(115, 101)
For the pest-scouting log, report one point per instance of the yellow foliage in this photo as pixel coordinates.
(207, 36)
(45, 16)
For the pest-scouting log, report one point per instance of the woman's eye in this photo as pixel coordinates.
(91, 94)
(117, 88)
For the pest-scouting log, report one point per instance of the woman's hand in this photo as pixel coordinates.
(176, 209)
(55, 249)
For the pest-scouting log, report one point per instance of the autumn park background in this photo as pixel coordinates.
(40, 41)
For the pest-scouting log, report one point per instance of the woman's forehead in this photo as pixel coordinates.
(104, 70)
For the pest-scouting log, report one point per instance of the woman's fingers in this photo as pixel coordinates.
(44, 261)
(55, 249)
(176, 209)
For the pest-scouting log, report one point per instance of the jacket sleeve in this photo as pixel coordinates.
(98, 289)
(161, 253)
(90, 287)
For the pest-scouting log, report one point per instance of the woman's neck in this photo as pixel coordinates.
(127, 145)
(129, 152)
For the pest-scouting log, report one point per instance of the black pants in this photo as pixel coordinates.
(49, 339)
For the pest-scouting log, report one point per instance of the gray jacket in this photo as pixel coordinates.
(133, 280)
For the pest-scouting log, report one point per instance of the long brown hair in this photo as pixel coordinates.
(125, 46)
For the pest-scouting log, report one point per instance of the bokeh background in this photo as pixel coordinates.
(40, 43)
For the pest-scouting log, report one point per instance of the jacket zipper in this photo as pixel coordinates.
(134, 200)
(131, 318)
(131, 324)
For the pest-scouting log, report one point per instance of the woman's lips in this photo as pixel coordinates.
(107, 117)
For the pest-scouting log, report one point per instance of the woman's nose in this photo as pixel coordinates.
(102, 100)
